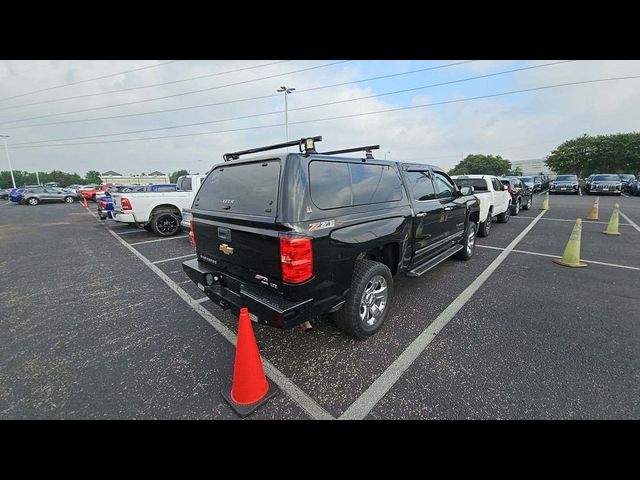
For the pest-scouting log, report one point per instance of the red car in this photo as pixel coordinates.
(91, 192)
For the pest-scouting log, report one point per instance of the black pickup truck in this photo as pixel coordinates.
(293, 236)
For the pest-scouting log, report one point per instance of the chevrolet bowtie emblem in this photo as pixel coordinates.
(226, 249)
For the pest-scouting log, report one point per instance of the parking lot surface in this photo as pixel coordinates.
(99, 321)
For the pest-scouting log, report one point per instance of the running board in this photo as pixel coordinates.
(428, 265)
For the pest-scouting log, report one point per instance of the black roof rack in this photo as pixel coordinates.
(307, 144)
(366, 149)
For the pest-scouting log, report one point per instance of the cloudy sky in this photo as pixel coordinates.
(50, 130)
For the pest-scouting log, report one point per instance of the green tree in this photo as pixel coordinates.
(616, 153)
(93, 176)
(515, 172)
(482, 164)
(173, 177)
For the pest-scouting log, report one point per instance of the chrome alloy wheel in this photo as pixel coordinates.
(471, 240)
(374, 300)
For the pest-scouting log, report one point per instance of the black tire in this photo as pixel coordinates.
(504, 216)
(485, 227)
(165, 223)
(349, 318)
(147, 227)
(468, 242)
(515, 209)
(32, 201)
(529, 203)
(68, 199)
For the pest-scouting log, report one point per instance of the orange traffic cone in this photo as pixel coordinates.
(250, 388)
(84, 202)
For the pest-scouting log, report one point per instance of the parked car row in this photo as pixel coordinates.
(499, 197)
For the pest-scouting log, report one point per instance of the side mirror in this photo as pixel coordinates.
(466, 190)
(504, 187)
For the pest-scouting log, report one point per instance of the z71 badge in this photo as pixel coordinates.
(321, 225)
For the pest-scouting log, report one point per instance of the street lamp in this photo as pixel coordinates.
(286, 107)
(385, 154)
(6, 149)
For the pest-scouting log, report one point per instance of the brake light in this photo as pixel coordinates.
(510, 189)
(192, 234)
(126, 204)
(103, 204)
(296, 259)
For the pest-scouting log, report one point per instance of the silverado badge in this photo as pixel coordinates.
(226, 249)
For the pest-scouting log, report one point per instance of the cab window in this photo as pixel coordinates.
(444, 187)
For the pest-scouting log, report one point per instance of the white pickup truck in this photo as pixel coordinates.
(159, 212)
(495, 200)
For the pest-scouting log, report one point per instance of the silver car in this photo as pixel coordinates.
(34, 196)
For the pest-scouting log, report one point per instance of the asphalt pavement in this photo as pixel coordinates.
(99, 321)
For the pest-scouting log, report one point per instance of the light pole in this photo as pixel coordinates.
(286, 91)
(6, 149)
(385, 154)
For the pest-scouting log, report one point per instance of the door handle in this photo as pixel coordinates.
(448, 208)
(421, 214)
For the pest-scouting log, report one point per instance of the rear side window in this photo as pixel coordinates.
(478, 184)
(335, 184)
(185, 184)
(247, 188)
(166, 188)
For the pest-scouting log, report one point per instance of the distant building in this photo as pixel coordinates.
(141, 179)
(532, 166)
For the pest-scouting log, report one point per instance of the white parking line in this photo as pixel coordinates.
(378, 389)
(184, 282)
(559, 256)
(631, 222)
(137, 230)
(174, 258)
(159, 240)
(294, 392)
(625, 195)
(572, 221)
(3, 204)
(201, 300)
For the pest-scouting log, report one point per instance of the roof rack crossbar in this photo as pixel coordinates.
(366, 149)
(304, 143)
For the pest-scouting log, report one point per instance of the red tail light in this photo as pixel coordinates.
(296, 259)
(126, 204)
(510, 189)
(103, 204)
(192, 234)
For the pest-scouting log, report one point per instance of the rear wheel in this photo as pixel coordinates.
(468, 243)
(504, 216)
(368, 302)
(483, 229)
(165, 223)
(515, 209)
(529, 203)
(33, 201)
(68, 199)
